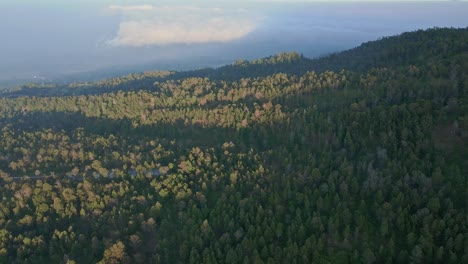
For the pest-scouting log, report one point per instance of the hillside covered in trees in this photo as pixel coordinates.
(355, 157)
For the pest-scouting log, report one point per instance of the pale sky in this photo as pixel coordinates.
(52, 38)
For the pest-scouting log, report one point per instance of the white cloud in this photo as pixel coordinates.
(131, 8)
(149, 25)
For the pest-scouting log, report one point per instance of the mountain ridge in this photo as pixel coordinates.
(395, 51)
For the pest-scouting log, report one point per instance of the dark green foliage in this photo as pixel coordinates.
(366, 165)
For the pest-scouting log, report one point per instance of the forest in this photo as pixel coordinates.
(355, 157)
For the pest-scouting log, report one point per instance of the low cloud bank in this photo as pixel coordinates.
(147, 25)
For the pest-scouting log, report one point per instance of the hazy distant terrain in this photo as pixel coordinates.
(73, 41)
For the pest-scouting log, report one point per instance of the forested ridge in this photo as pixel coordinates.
(356, 157)
(421, 47)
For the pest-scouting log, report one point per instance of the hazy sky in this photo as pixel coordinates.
(52, 38)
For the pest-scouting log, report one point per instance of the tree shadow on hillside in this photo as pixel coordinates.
(69, 122)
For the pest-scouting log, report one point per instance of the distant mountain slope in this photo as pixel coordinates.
(418, 47)
(411, 48)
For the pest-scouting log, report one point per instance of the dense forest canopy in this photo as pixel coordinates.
(356, 157)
